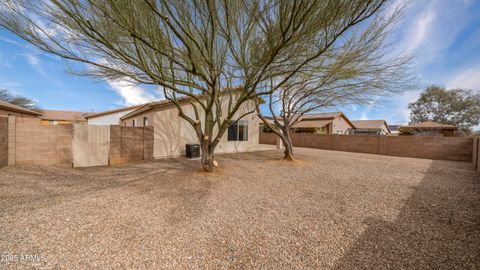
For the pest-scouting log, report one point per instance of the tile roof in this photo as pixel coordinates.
(431, 125)
(312, 124)
(369, 123)
(12, 107)
(316, 120)
(62, 115)
(93, 115)
(164, 102)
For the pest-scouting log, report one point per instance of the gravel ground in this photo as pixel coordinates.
(328, 210)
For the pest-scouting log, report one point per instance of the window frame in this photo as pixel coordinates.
(233, 132)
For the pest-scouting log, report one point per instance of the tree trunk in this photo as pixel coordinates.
(208, 157)
(287, 142)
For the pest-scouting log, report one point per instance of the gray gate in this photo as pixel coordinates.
(90, 145)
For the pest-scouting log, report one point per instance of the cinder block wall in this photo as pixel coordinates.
(267, 138)
(129, 144)
(443, 148)
(319, 141)
(3, 141)
(42, 145)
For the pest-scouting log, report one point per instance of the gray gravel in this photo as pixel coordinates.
(328, 210)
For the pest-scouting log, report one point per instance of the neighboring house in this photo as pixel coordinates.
(429, 128)
(172, 133)
(322, 123)
(111, 117)
(369, 127)
(9, 109)
(54, 117)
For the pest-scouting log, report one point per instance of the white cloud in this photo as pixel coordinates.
(32, 60)
(467, 79)
(131, 92)
(419, 30)
(36, 64)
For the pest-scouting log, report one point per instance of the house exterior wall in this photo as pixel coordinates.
(172, 133)
(108, 119)
(139, 120)
(385, 129)
(340, 125)
(47, 122)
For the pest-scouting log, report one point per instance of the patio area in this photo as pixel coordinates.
(327, 210)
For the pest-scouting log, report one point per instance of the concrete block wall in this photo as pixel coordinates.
(148, 143)
(3, 141)
(267, 138)
(129, 144)
(37, 144)
(24, 141)
(443, 148)
(358, 143)
(319, 141)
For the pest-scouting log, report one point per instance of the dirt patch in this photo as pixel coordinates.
(328, 210)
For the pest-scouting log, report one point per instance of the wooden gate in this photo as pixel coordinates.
(90, 145)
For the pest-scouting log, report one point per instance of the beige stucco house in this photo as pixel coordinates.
(370, 127)
(322, 123)
(55, 117)
(172, 133)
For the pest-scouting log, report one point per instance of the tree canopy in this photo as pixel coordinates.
(458, 107)
(201, 49)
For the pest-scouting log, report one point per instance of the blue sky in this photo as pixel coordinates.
(444, 36)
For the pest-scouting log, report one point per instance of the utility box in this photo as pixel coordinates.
(192, 150)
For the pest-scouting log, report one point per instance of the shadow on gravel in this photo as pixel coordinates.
(438, 228)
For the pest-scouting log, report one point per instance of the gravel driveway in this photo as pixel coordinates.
(329, 210)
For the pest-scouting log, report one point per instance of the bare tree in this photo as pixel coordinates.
(199, 49)
(355, 71)
(19, 100)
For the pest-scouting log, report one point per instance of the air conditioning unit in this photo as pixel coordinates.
(192, 150)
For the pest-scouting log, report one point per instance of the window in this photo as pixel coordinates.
(339, 131)
(238, 131)
(145, 121)
(133, 122)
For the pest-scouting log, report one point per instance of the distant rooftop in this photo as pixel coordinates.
(431, 125)
(12, 107)
(369, 123)
(62, 115)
